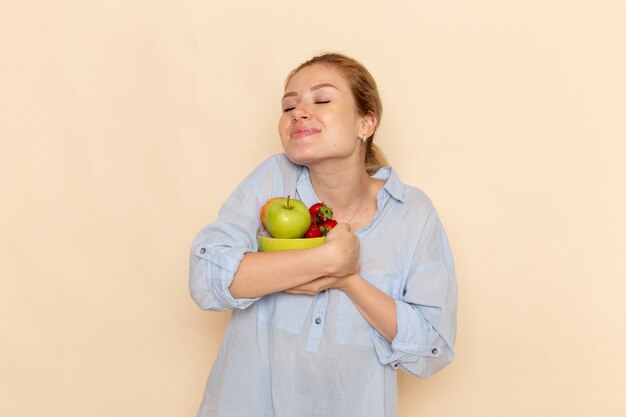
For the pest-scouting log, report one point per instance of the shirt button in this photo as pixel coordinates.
(434, 351)
(318, 320)
(202, 251)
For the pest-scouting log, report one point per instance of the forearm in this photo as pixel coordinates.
(378, 309)
(262, 273)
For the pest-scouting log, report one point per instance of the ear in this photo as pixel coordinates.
(368, 125)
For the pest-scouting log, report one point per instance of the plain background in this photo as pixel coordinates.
(124, 125)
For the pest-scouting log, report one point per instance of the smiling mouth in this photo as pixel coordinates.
(300, 133)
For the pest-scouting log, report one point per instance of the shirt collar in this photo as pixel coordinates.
(304, 187)
(393, 185)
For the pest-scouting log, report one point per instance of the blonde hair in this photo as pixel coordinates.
(366, 98)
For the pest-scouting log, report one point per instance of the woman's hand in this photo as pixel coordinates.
(342, 249)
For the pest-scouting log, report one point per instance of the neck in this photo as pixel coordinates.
(341, 186)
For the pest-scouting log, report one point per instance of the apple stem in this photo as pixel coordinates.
(288, 197)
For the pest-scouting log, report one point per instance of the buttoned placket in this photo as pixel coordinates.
(318, 321)
(318, 312)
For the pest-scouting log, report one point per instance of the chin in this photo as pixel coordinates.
(301, 156)
(299, 159)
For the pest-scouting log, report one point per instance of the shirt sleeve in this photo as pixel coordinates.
(426, 310)
(219, 248)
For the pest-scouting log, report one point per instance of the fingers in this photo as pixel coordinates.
(297, 292)
(345, 249)
(313, 287)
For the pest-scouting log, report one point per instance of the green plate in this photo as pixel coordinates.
(269, 244)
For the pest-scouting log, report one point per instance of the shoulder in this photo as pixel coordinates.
(416, 197)
(410, 199)
(421, 227)
(419, 204)
(275, 168)
(275, 176)
(419, 210)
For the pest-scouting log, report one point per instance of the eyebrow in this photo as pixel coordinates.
(315, 87)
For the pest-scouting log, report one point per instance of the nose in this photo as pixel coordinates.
(300, 112)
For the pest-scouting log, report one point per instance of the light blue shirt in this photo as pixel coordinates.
(287, 355)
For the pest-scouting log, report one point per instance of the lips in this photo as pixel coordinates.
(301, 132)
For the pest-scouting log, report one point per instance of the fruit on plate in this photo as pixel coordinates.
(287, 218)
(264, 210)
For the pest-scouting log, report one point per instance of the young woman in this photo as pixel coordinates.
(321, 331)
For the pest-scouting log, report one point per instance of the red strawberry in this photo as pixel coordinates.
(320, 212)
(326, 226)
(313, 231)
(315, 209)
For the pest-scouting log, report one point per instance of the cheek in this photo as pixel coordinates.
(345, 127)
(283, 125)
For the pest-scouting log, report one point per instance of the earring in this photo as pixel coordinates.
(364, 139)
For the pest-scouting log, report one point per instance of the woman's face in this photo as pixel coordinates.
(320, 119)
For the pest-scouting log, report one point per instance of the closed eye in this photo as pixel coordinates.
(288, 109)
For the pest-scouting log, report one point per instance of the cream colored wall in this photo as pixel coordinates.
(124, 125)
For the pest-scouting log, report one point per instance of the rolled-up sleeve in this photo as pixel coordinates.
(210, 276)
(219, 248)
(426, 310)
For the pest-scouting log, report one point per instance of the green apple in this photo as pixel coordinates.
(287, 218)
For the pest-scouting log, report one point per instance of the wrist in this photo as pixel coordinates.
(350, 283)
(325, 260)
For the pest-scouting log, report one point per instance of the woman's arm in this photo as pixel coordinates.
(426, 310)
(262, 273)
(376, 307)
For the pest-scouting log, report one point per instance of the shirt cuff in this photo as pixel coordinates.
(221, 269)
(406, 346)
